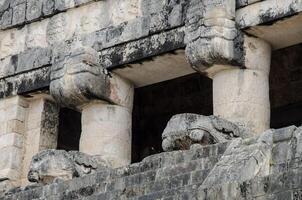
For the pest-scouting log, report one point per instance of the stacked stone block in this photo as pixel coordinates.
(12, 136)
(41, 130)
(27, 127)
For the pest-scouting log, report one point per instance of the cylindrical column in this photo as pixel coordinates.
(106, 131)
(242, 95)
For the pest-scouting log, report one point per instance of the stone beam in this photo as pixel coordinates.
(267, 11)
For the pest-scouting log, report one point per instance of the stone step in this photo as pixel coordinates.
(132, 190)
(153, 170)
(287, 185)
(167, 159)
(196, 169)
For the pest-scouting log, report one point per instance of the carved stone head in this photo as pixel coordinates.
(77, 78)
(48, 165)
(184, 130)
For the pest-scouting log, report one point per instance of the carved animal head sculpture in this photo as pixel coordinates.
(77, 78)
(48, 165)
(184, 130)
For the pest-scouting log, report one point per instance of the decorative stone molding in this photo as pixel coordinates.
(211, 35)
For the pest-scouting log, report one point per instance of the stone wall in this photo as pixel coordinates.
(27, 127)
(12, 137)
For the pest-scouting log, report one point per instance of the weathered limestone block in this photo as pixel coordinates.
(50, 165)
(19, 13)
(243, 160)
(184, 130)
(48, 7)
(12, 42)
(34, 9)
(106, 131)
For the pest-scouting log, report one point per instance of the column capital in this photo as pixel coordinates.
(212, 37)
(78, 78)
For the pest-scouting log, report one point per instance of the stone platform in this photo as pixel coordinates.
(266, 167)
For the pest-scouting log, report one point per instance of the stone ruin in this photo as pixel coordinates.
(97, 99)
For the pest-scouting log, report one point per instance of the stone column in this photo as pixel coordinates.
(106, 131)
(238, 64)
(105, 100)
(242, 95)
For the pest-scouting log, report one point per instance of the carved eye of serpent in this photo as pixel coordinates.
(197, 135)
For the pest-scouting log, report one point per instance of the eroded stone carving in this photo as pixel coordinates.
(50, 165)
(211, 35)
(78, 78)
(185, 130)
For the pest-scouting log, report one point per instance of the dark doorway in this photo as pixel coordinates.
(286, 87)
(69, 129)
(154, 105)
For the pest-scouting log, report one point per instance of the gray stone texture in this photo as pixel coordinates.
(48, 7)
(34, 9)
(19, 14)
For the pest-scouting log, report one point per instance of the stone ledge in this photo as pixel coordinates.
(267, 11)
